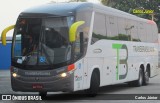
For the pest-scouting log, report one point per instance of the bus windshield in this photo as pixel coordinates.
(40, 41)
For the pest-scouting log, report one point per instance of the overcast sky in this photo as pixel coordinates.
(10, 9)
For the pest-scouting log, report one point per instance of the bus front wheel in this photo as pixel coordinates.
(94, 85)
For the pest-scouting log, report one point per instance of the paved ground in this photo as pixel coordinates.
(116, 92)
(4, 73)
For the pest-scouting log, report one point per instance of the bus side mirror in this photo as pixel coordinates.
(4, 32)
(73, 30)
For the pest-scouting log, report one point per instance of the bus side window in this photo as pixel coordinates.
(154, 33)
(149, 32)
(113, 33)
(142, 32)
(99, 28)
(123, 33)
(134, 31)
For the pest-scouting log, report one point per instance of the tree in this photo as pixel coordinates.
(130, 5)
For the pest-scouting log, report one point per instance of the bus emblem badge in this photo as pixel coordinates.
(42, 59)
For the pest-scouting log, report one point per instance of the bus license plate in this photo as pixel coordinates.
(37, 86)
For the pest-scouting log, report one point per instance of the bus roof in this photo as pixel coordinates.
(61, 9)
(64, 9)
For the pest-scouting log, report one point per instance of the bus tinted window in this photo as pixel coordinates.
(123, 30)
(134, 31)
(149, 33)
(99, 28)
(142, 32)
(113, 29)
(154, 33)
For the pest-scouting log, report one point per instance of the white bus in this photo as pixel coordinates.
(81, 46)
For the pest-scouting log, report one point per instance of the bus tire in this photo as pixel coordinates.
(43, 94)
(94, 85)
(146, 78)
(139, 82)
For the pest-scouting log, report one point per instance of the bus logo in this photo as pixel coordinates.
(42, 59)
(6, 97)
(121, 61)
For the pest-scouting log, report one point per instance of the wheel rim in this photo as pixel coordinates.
(146, 77)
(140, 78)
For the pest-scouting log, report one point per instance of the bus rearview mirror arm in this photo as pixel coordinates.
(4, 32)
(81, 42)
(73, 30)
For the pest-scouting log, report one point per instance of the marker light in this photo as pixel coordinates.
(14, 75)
(151, 22)
(71, 67)
(63, 75)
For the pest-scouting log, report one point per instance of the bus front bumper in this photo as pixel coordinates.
(43, 84)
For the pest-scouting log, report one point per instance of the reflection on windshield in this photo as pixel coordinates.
(42, 41)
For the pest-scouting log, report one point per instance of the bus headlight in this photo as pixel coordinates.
(63, 75)
(14, 75)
